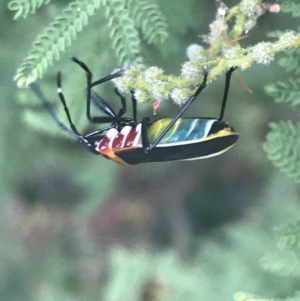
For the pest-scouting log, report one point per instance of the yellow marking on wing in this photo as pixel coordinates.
(174, 127)
(222, 133)
(112, 156)
(159, 125)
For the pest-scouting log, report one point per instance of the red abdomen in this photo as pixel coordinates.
(115, 141)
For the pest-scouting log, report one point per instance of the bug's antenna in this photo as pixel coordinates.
(63, 101)
(37, 91)
(227, 85)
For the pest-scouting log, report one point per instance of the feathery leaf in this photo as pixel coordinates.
(283, 147)
(290, 6)
(149, 18)
(289, 235)
(282, 263)
(286, 92)
(125, 39)
(25, 7)
(54, 39)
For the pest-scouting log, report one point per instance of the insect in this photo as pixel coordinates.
(129, 142)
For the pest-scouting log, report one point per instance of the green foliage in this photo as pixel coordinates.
(148, 17)
(215, 270)
(54, 39)
(283, 142)
(285, 91)
(288, 236)
(291, 62)
(24, 7)
(121, 18)
(283, 263)
(226, 29)
(282, 147)
(290, 6)
(226, 259)
(125, 40)
(286, 262)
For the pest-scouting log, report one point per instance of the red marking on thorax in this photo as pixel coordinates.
(118, 141)
(105, 150)
(102, 146)
(108, 146)
(130, 137)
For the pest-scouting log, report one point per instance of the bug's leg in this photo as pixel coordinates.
(107, 78)
(145, 137)
(101, 119)
(88, 86)
(99, 132)
(123, 109)
(179, 114)
(37, 91)
(226, 90)
(103, 106)
(93, 138)
(134, 105)
(101, 103)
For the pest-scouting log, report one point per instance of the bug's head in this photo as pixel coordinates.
(228, 127)
(220, 127)
(90, 144)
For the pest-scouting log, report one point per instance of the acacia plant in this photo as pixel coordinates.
(222, 49)
(126, 18)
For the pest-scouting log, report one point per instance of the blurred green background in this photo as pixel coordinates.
(75, 226)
